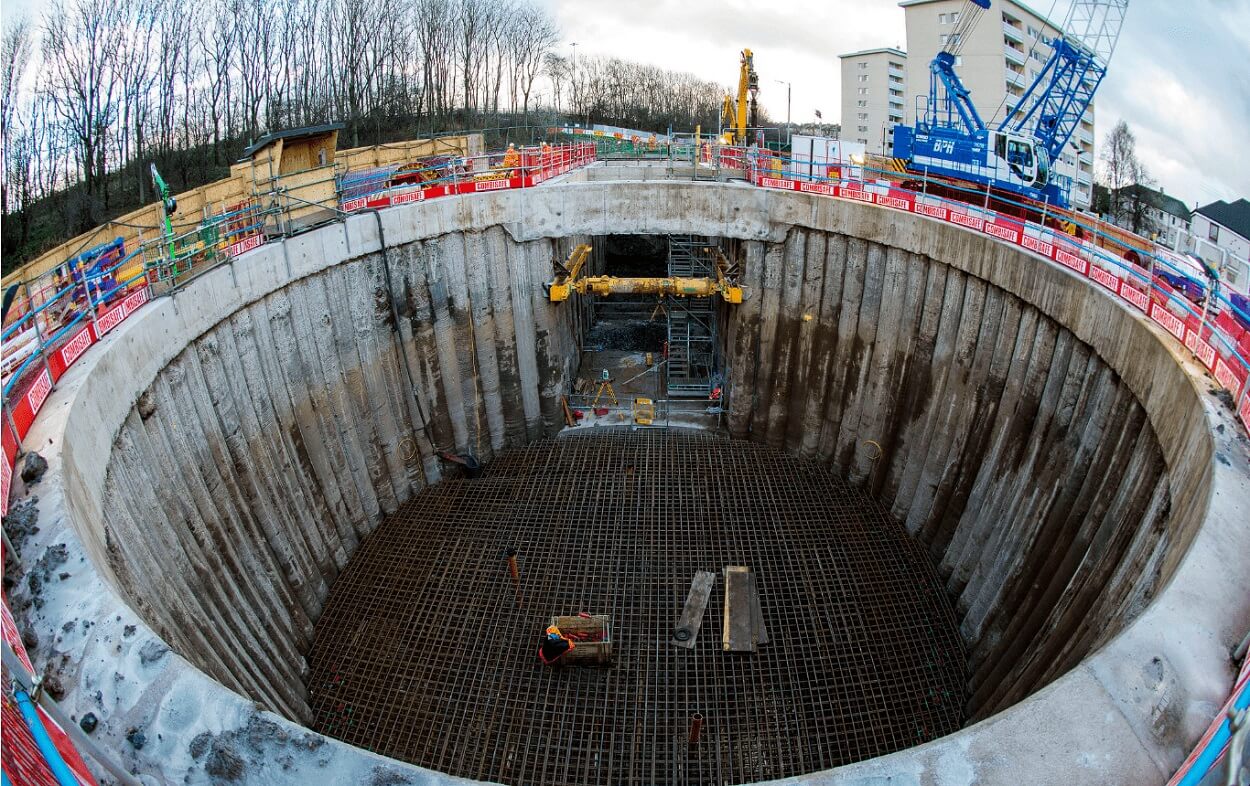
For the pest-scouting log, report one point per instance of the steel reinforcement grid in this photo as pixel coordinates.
(427, 652)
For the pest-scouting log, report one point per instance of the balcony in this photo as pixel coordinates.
(1083, 178)
(1017, 79)
(1013, 55)
(1085, 136)
(898, 72)
(1012, 32)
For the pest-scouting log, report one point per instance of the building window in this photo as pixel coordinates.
(862, 66)
(862, 141)
(862, 115)
(863, 129)
(899, 66)
(861, 103)
(863, 91)
(942, 39)
(954, 17)
(863, 77)
(941, 19)
(1213, 234)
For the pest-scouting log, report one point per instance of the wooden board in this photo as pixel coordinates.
(696, 604)
(757, 613)
(738, 634)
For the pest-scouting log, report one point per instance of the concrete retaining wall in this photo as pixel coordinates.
(1002, 440)
(255, 430)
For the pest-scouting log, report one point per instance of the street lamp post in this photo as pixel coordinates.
(574, 76)
(787, 84)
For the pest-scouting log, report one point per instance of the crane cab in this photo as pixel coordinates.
(1018, 159)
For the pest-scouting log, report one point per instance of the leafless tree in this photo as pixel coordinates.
(15, 52)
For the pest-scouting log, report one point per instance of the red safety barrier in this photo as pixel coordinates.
(1156, 299)
(20, 758)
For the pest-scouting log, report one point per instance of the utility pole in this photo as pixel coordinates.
(787, 84)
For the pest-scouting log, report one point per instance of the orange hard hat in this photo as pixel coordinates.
(552, 630)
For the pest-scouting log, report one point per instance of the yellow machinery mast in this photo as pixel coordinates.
(748, 87)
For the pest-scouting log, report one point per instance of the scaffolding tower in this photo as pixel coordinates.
(691, 321)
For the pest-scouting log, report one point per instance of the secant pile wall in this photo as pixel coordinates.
(224, 450)
(249, 471)
(1005, 444)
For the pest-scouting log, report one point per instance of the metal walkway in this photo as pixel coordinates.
(423, 654)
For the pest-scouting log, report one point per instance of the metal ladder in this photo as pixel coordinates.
(691, 322)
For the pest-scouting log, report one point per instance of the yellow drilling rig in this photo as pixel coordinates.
(737, 115)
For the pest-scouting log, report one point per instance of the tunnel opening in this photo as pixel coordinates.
(264, 454)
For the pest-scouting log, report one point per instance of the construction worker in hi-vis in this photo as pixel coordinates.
(554, 646)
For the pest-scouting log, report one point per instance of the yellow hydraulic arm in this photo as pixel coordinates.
(569, 280)
(748, 86)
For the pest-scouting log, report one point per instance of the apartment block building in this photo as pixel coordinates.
(999, 60)
(874, 95)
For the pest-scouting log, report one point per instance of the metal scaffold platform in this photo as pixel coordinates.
(427, 650)
(691, 321)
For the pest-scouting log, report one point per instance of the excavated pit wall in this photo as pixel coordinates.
(255, 430)
(251, 469)
(1006, 445)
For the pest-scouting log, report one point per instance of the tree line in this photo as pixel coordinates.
(95, 90)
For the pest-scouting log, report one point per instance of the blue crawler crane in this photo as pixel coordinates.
(950, 138)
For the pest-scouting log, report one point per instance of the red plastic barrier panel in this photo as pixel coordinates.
(70, 351)
(1169, 321)
(777, 182)
(1244, 413)
(940, 212)
(1201, 348)
(827, 189)
(19, 756)
(1134, 295)
(6, 471)
(1003, 230)
(856, 192)
(976, 223)
(899, 200)
(114, 316)
(29, 403)
(1230, 375)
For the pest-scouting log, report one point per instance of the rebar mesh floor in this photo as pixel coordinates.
(424, 655)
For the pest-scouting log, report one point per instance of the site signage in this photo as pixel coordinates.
(1002, 233)
(1225, 376)
(1081, 265)
(1105, 277)
(1201, 349)
(965, 220)
(933, 211)
(1134, 295)
(73, 349)
(1170, 322)
(114, 316)
(246, 244)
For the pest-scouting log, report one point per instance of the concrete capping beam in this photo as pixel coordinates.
(1126, 715)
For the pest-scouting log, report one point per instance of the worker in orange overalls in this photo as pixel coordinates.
(554, 647)
(511, 159)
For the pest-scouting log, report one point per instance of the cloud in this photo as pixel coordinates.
(1180, 77)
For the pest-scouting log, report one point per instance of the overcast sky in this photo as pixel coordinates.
(1180, 76)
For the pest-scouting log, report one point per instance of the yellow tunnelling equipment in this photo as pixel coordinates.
(569, 280)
